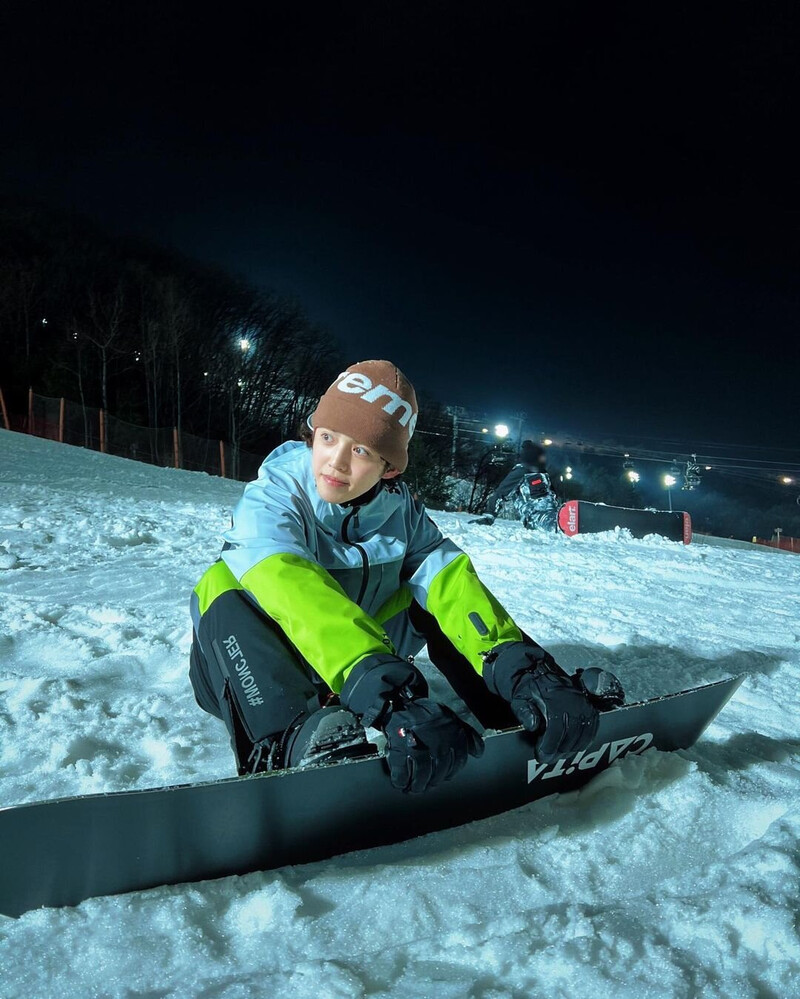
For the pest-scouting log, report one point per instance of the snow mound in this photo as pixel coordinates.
(668, 876)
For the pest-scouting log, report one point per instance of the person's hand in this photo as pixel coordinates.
(427, 744)
(561, 710)
(377, 683)
(559, 713)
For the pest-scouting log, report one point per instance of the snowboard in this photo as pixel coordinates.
(580, 517)
(60, 852)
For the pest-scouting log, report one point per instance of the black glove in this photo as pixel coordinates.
(374, 684)
(427, 744)
(561, 710)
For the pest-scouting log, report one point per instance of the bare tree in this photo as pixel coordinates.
(72, 361)
(106, 316)
(175, 326)
(19, 281)
(148, 350)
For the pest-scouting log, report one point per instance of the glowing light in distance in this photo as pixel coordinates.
(787, 480)
(547, 442)
(633, 476)
(244, 343)
(501, 430)
(669, 481)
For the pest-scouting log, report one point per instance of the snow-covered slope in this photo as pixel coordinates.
(669, 875)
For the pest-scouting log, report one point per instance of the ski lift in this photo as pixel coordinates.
(629, 471)
(691, 479)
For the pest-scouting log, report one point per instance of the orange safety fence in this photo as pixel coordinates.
(784, 544)
(86, 426)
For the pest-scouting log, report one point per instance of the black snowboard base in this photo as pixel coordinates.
(63, 851)
(580, 517)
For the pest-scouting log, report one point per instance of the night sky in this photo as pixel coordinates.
(588, 211)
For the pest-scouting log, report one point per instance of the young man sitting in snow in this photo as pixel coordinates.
(529, 484)
(331, 579)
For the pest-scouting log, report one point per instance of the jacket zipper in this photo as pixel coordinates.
(362, 553)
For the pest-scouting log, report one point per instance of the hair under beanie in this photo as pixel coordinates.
(374, 403)
(531, 453)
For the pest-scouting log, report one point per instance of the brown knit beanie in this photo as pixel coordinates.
(374, 403)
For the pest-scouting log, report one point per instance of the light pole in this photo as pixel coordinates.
(244, 345)
(455, 412)
(500, 432)
(669, 482)
(630, 472)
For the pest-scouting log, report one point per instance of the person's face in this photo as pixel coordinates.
(343, 468)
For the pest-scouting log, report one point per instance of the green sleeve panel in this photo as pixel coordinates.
(328, 629)
(215, 581)
(465, 608)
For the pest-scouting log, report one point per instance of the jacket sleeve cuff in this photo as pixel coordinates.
(504, 665)
(377, 681)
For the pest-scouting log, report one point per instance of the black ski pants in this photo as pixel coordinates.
(245, 671)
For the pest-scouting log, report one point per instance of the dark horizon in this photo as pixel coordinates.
(586, 215)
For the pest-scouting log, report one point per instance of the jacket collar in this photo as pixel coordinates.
(366, 497)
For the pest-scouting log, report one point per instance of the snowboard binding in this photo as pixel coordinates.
(602, 688)
(326, 736)
(329, 735)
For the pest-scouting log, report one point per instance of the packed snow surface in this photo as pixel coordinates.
(668, 875)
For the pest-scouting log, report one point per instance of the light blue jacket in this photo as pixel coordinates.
(338, 579)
